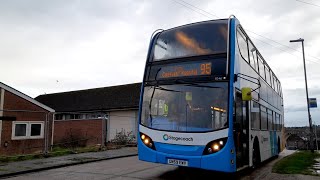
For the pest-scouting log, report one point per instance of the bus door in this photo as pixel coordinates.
(241, 130)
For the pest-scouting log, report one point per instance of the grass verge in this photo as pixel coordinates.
(297, 163)
(56, 151)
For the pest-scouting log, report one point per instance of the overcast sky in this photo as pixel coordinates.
(57, 46)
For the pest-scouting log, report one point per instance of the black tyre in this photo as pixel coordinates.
(254, 158)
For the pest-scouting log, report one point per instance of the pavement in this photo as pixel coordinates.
(22, 167)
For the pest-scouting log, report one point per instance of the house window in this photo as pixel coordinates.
(79, 116)
(20, 130)
(35, 130)
(27, 130)
(58, 116)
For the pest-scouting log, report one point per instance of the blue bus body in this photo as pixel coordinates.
(189, 148)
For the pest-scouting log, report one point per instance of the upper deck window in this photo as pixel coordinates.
(197, 39)
(243, 46)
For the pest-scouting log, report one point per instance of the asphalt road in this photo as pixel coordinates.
(132, 168)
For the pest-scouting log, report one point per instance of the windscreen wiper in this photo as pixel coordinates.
(165, 89)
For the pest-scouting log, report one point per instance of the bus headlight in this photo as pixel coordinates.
(147, 141)
(215, 146)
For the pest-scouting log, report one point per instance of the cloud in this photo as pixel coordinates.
(289, 109)
(89, 44)
(312, 91)
(295, 109)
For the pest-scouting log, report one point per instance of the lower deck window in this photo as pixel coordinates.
(27, 130)
(255, 116)
(264, 119)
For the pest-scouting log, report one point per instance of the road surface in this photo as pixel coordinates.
(132, 168)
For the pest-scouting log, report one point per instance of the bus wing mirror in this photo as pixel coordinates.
(246, 94)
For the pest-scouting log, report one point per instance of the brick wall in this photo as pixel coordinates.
(83, 132)
(17, 107)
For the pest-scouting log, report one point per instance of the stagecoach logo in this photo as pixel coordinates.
(166, 137)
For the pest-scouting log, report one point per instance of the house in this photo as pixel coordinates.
(25, 124)
(94, 116)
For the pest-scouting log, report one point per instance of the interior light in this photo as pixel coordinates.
(218, 109)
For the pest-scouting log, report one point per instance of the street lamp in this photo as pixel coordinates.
(305, 77)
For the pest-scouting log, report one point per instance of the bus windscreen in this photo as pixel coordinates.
(186, 107)
(197, 39)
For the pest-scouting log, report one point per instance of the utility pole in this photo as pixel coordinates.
(306, 83)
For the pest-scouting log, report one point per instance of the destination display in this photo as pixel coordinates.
(185, 70)
(215, 69)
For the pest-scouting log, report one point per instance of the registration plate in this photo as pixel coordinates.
(177, 162)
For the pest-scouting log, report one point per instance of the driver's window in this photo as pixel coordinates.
(159, 107)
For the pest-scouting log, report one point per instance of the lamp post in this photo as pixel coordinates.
(305, 77)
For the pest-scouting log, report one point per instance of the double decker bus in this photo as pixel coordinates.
(208, 99)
